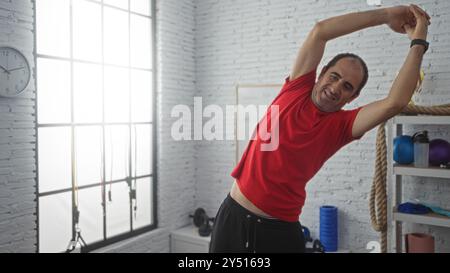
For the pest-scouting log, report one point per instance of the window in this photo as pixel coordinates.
(95, 127)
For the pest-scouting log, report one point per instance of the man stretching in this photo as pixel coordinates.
(261, 213)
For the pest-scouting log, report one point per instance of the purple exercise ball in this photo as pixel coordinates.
(439, 152)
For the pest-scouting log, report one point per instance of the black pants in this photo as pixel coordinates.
(237, 230)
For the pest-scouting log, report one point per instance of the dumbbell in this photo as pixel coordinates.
(201, 220)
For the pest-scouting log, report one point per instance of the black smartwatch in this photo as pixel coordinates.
(420, 42)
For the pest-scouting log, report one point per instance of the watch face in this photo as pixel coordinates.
(14, 72)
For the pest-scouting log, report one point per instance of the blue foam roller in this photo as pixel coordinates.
(328, 228)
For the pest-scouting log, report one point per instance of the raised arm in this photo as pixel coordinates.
(404, 85)
(311, 52)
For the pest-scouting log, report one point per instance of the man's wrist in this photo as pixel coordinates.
(420, 43)
(421, 37)
(418, 50)
(383, 15)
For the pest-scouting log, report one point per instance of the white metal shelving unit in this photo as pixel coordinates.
(395, 174)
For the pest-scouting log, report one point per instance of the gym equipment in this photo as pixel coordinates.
(306, 234)
(439, 153)
(404, 149)
(201, 220)
(329, 228)
(437, 209)
(317, 246)
(378, 194)
(419, 243)
(77, 239)
(421, 148)
(412, 208)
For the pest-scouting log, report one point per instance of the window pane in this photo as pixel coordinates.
(118, 3)
(55, 222)
(91, 214)
(88, 105)
(54, 159)
(117, 95)
(88, 146)
(87, 31)
(118, 210)
(117, 143)
(140, 6)
(53, 27)
(100, 94)
(143, 213)
(141, 49)
(116, 36)
(141, 96)
(142, 149)
(53, 80)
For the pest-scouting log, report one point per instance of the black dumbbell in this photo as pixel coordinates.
(201, 220)
(198, 217)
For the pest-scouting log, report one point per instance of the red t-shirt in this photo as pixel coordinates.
(275, 181)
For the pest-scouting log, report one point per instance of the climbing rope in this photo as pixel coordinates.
(378, 195)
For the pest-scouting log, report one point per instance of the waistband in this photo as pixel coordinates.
(230, 202)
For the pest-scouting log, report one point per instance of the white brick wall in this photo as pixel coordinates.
(176, 162)
(17, 138)
(256, 42)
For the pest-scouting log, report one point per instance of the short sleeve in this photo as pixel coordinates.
(348, 118)
(305, 82)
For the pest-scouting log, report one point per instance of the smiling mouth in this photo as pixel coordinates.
(329, 95)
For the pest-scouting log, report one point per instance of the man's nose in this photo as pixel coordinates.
(336, 88)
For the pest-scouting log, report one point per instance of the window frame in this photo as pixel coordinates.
(72, 125)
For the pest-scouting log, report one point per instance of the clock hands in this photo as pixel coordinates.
(5, 70)
(18, 68)
(14, 71)
(9, 71)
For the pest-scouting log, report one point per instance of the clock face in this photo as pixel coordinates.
(14, 72)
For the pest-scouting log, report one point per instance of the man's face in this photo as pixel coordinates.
(338, 85)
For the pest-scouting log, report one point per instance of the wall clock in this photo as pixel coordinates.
(15, 72)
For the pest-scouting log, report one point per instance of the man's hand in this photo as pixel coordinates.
(419, 29)
(398, 17)
(405, 83)
(311, 52)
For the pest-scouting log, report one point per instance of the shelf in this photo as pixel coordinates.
(395, 195)
(427, 219)
(423, 120)
(424, 172)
